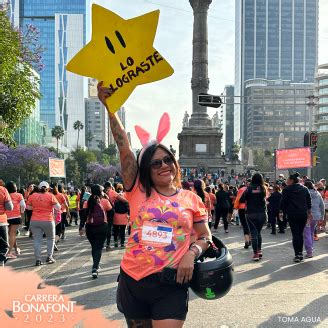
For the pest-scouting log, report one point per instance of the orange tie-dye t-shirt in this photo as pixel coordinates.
(170, 219)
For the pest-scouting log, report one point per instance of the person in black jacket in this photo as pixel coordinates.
(222, 207)
(256, 212)
(274, 202)
(296, 203)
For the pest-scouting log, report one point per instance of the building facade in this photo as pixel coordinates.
(274, 107)
(321, 91)
(62, 26)
(275, 40)
(96, 124)
(228, 134)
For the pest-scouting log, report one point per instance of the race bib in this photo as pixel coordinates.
(156, 234)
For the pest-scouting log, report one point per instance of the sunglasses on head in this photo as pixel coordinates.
(157, 163)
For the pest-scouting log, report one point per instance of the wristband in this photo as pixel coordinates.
(199, 249)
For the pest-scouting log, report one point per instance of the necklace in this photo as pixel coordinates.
(176, 191)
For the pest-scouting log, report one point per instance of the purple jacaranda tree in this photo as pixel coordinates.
(25, 163)
(98, 173)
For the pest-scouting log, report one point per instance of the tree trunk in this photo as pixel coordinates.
(78, 136)
(57, 145)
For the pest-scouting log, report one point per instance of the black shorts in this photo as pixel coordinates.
(15, 221)
(149, 298)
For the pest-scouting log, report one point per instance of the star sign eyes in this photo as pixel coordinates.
(110, 44)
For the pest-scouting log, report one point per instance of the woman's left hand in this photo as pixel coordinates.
(186, 267)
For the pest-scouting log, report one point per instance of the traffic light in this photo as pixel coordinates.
(313, 141)
(316, 160)
(307, 139)
(207, 100)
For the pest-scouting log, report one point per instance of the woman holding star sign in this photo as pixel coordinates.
(159, 258)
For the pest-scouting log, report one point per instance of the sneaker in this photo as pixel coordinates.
(55, 248)
(246, 245)
(309, 255)
(260, 254)
(256, 257)
(94, 274)
(62, 236)
(38, 263)
(298, 258)
(50, 260)
(226, 231)
(115, 245)
(107, 248)
(18, 251)
(11, 256)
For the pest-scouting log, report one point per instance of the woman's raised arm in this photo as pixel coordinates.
(128, 161)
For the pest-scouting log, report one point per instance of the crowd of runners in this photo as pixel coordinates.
(169, 223)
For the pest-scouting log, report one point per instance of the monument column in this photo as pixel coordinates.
(199, 80)
(200, 138)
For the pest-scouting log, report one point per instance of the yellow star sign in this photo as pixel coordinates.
(121, 54)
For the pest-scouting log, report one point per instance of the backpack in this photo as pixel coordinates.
(121, 207)
(98, 215)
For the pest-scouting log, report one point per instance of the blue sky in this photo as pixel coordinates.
(174, 41)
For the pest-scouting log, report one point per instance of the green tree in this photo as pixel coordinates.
(321, 170)
(57, 132)
(89, 137)
(19, 84)
(101, 145)
(73, 171)
(78, 125)
(235, 151)
(83, 157)
(264, 160)
(111, 150)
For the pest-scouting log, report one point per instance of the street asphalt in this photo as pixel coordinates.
(274, 292)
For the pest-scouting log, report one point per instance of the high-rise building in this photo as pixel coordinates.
(274, 107)
(321, 88)
(228, 133)
(96, 124)
(32, 130)
(97, 120)
(275, 40)
(62, 26)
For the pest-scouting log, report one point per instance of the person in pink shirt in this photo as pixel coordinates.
(121, 217)
(163, 217)
(14, 217)
(241, 207)
(6, 204)
(42, 204)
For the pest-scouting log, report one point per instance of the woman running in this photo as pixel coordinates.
(256, 212)
(5, 205)
(42, 204)
(163, 217)
(96, 227)
(296, 203)
(318, 213)
(240, 206)
(222, 207)
(14, 217)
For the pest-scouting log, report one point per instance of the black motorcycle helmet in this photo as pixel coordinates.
(213, 272)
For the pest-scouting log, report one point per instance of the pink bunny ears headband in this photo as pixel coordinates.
(144, 136)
